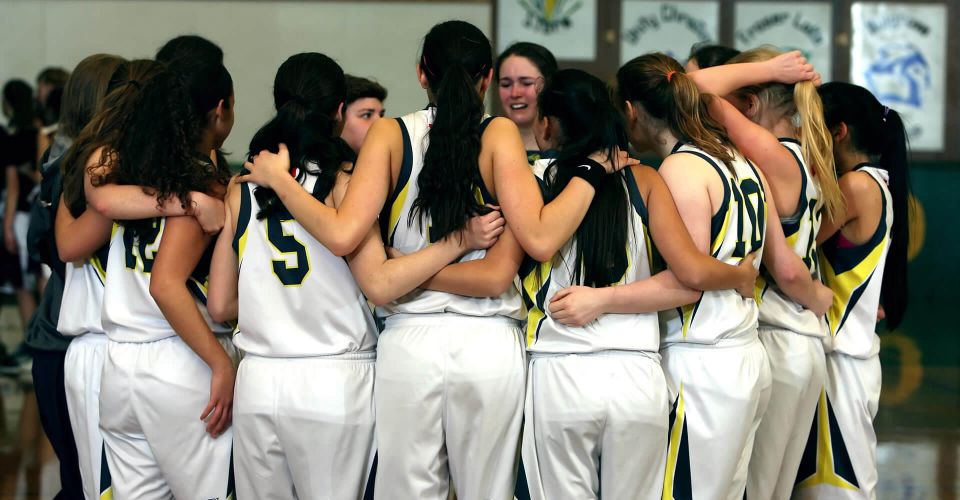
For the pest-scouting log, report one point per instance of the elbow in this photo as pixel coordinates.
(538, 248)
(540, 251)
(160, 289)
(378, 299)
(219, 312)
(499, 283)
(342, 247)
(689, 277)
(101, 205)
(67, 254)
(790, 278)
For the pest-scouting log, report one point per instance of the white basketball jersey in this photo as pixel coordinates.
(129, 311)
(736, 230)
(82, 300)
(776, 308)
(855, 274)
(297, 299)
(406, 233)
(624, 332)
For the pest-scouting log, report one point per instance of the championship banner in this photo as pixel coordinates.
(802, 26)
(899, 53)
(567, 27)
(668, 27)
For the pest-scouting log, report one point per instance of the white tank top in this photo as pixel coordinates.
(129, 311)
(855, 274)
(82, 301)
(297, 299)
(736, 230)
(407, 234)
(623, 332)
(776, 308)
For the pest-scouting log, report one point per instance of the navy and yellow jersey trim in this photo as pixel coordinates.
(106, 480)
(826, 460)
(243, 220)
(849, 269)
(393, 208)
(791, 224)
(99, 262)
(536, 284)
(720, 220)
(677, 482)
(636, 199)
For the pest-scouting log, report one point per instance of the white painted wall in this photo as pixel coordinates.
(371, 39)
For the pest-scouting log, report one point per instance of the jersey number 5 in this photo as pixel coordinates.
(290, 248)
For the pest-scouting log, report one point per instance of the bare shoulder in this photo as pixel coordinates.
(685, 166)
(233, 191)
(501, 131)
(857, 183)
(860, 191)
(383, 129)
(644, 173)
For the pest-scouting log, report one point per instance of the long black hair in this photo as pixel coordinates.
(307, 91)
(456, 56)
(19, 97)
(157, 144)
(588, 122)
(878, 131)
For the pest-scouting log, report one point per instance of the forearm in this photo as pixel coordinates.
(223, 301)
(799, 285)
(79, 238)
(180, 309)
(132, 203)
(557, 221)
(474, 278)
(707, 273)
(724, 79)
(398, 277)
(336, 229)
(658, 293)
(384, 280)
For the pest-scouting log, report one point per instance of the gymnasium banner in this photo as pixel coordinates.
(669, 27)
(899, 53)
(803, 26)
(567, 27)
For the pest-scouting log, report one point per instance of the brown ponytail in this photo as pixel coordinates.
(667, 94)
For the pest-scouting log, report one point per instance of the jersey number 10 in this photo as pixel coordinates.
(749, 199)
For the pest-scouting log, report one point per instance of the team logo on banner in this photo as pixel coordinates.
(548, 16)
(803, 26)
(899, 54)
(567, 27)
(668, 27)
(900, 75)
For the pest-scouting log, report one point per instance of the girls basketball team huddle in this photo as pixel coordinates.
(559, 321)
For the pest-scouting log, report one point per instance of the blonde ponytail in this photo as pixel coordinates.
(816, 145)
(816, 142)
